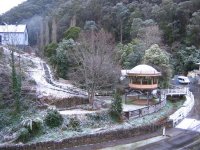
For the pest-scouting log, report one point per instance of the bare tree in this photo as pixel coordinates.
(46, 22)
(41, 34)
(94, 60)
(54, 30)
(150, 35)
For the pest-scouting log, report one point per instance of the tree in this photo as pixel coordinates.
(116, 107)
(72, 33)
(159, 59)
(16, 76)
(50, 50)
(60, 57)
(130, 54)
(185, 59)
(149, 35)
(193, 30)
(135, 26)
(46, 23)
(41, 35)
(16, 84)
(54, 30)
(94, 66)
(121, 12)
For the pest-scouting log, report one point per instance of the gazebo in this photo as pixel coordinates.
(143, 78)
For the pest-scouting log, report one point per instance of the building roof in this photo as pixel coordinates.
(12, 28)
(145, 70)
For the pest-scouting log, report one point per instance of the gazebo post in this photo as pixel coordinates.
(148, 98)
(125, 97)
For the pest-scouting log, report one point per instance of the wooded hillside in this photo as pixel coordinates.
(172, 24)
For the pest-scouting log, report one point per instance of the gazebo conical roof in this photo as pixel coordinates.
(143, 70)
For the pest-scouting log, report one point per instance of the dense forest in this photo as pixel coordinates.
(135, 25)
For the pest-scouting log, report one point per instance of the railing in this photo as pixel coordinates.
(139, 86)
(156, 107)
(146, 110)
(183, 91)
(181, 113)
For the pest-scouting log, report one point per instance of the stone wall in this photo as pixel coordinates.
(90, 138)
(70, 102)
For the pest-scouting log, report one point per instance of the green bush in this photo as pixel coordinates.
(53, 118)
(50, 50)
(98, 116)
(74, 123)
(6, 120)
(116, 108)
(33, 125)
(24, 135)
(72, 33)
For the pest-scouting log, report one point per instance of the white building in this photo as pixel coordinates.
(13, 35)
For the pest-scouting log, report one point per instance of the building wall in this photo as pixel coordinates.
(14, 38)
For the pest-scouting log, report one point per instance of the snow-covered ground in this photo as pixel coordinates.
(45, 89)
(77, 112)
(189, 124)
(131, 107)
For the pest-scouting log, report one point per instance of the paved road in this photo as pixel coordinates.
(179, 139)
(186, 139)
(195, 113)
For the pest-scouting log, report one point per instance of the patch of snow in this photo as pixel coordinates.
(76, 112)
(45, 89)
(189, 124)
(131, 107)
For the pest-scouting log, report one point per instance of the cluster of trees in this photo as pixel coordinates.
(88, 59)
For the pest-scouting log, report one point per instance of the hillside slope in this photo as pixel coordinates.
(175, 22)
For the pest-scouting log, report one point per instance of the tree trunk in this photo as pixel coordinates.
(41, 35)
(121, 32)
(91, 95)
(54, 31)
(73, 21)
(46, 31)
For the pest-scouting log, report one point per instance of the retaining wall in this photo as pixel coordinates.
(90, 138)
(68, 102)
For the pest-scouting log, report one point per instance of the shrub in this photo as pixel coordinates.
(24, 135)
(53, 118)
(72, 33)
(5, 118)
(116, 108)
(33, 125)
(74, 123)
(50, 49)
(98, 116)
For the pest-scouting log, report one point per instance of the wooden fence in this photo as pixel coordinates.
(156, 107)
(146, 110)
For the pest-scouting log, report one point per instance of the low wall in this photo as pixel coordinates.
(68, 102)
(90, 138)
(182, 112)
